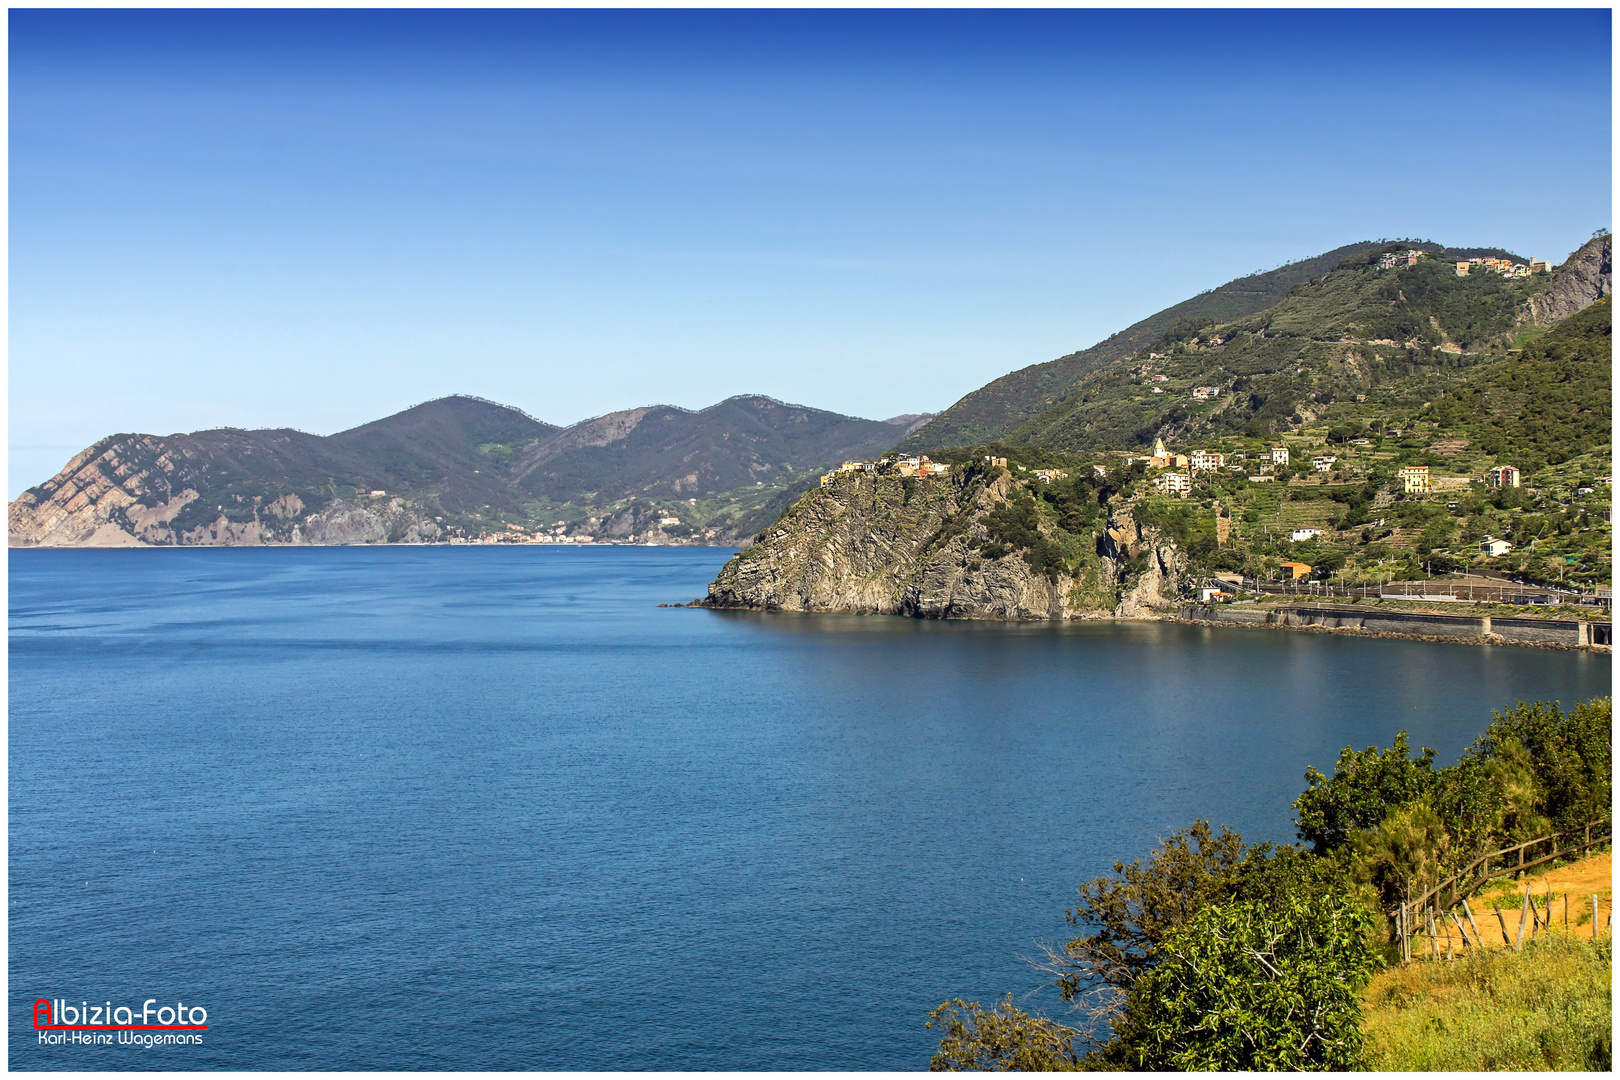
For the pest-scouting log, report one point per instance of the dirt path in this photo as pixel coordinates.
(1571, 889)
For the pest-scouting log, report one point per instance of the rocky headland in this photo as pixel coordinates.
(880, 543)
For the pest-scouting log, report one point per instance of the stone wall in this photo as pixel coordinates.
(1407, 624)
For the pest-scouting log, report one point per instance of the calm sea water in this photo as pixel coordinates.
(492, 808)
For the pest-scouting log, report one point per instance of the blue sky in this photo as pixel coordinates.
(316, 218)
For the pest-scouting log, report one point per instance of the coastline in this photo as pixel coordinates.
(1571, 635)
(1544, 636)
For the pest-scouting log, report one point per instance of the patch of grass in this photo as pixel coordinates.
(1546, 1008)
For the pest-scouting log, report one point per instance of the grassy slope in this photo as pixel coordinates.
(1547, 1007)
(996, 409)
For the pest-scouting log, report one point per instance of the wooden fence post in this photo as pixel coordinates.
(1471, 922)
(1524, 914)
(1506, 941)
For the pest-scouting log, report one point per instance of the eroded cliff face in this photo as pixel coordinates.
(1585, 278)
(131, 491)
(1159, 566)
(880, 545)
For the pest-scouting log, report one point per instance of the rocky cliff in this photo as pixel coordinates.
(884, 544)
(1159, 566)
(138, 491)
(1585, 278)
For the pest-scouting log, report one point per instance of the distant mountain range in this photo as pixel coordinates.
(459, 467)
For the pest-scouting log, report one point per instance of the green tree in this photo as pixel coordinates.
(1568, 754)
(1131, 912)
(1252, 984)
(1365, 786)
(1003, 1039)
(1404, 853)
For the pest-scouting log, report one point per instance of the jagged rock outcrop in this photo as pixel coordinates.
(881, 545)
(1156, 588)
(1585, 278)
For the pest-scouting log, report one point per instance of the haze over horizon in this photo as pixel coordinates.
(314, 219)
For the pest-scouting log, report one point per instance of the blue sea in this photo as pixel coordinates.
(493, 808)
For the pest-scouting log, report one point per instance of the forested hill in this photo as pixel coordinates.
(454, 467)
(1545, 405)
(993, 411)
(1363, 340)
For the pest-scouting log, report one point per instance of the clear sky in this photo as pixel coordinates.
(316, 218)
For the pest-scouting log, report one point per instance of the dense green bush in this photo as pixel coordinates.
(1365, 786)
(1255, 984)
(1568, 754)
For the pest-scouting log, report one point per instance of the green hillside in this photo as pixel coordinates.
(1358, 335)
(995, 410)
(1317, 374)
(1544, 406)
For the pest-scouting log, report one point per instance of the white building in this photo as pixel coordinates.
(1324, 463)
(1305, 534)
(1494, 547)
(1207, 459)
(1173, 483)
(1279, 455)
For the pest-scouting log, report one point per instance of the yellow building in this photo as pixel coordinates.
(1416, 478)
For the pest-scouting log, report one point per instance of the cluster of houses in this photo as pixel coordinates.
(1506, 267)
(1402, 258)
(1177, 483)
(515, 535)
(920, 466)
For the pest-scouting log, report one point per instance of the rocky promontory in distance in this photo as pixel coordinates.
(456, 469)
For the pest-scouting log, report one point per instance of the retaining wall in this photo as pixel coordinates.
(1470, 628)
